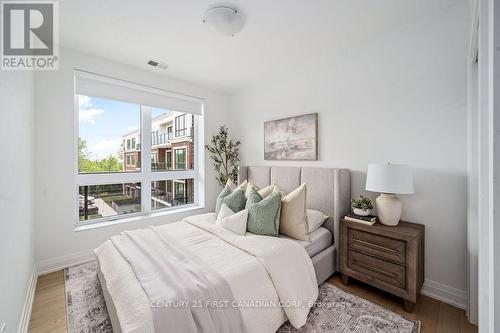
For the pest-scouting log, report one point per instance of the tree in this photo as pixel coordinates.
(224, 155)
(86, 164)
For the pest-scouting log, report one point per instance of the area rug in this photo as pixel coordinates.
(334, 311)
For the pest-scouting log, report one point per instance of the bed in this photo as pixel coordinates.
(244, 269)
(328, 190)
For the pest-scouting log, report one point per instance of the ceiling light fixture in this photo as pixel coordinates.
(223, 20)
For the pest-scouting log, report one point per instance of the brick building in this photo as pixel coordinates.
(171, 149)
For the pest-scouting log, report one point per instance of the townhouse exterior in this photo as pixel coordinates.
(171, 149)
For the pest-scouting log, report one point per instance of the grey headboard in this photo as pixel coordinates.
(328, 189)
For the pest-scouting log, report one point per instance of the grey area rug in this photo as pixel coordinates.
(335, 310)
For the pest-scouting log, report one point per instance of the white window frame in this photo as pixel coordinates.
(145, 176)
(174, 159)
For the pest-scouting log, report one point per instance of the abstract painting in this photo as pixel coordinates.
(294, 138)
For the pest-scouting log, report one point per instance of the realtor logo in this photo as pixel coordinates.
(29, 35)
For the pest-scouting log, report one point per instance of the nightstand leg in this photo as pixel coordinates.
(409, 306)
(345, 279)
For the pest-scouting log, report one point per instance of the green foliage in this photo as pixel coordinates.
(361, 203)
(86, 164)
(224, 155)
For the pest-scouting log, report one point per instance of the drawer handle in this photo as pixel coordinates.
(375, 246)
(373, 269)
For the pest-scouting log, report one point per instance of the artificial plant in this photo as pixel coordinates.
(224, 155)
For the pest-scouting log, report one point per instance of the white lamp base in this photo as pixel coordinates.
(389, 209)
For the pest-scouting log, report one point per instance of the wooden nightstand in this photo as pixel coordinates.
(389, 258)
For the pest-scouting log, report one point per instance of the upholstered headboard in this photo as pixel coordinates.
(328, 189)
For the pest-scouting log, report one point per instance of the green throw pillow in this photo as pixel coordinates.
(235, 200)
(263, 214)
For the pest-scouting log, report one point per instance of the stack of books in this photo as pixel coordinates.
(369, 220)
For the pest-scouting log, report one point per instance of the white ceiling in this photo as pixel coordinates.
(279, 34)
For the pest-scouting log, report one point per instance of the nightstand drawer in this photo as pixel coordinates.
(377, 268)
(377, 246)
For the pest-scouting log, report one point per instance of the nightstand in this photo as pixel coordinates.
(389, 258)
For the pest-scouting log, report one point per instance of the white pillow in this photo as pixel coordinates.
(224, 212)
(315, 219)
(236, 223)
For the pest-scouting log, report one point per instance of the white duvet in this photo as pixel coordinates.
(261, 272)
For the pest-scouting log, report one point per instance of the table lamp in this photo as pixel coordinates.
(389, 180)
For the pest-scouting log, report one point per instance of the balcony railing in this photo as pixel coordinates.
(169, 198)
(137, 147)
(161, 139)
(164, 138)
(161, 166)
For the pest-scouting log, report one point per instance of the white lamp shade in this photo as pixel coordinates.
(224, 21)
(389, 178)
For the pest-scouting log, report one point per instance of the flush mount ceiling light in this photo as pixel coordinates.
(223, 20)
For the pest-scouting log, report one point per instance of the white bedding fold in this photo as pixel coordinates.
(287, 263)
(170, 274)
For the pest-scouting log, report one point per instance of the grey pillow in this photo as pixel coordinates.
(263, 214)
(235, 200)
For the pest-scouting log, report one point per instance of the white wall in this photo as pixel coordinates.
(16, 199)
(400, 98)
(57, 242)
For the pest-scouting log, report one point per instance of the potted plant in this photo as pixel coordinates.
(224, 155)
(361, 206)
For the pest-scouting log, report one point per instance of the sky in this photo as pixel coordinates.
(102, 123)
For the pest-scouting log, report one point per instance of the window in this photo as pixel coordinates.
(179, 190)
(169, 160)
(170, 193)
(180, 159)
(111, 200)
(180, 125)
(113, 181)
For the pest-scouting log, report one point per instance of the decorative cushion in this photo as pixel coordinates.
(315, 219)
(250, 185)
(236, 223)
(263, 214)
(280, 189)
(266, 191)
(293, 220)
(243, 184)
(224, 193)
(233, 186)
(224, 212)
(234, 200)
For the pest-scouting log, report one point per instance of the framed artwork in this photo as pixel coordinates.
(294, 138)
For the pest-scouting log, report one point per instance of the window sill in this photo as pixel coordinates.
(136, 218)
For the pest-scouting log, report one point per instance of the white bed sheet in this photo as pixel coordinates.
(245, 274)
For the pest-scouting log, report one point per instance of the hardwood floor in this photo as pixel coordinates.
(49, 309)
(436, 316)
(49, 306)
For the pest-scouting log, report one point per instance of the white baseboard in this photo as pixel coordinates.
(28, 302)
(445, 293)
(55, 264)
